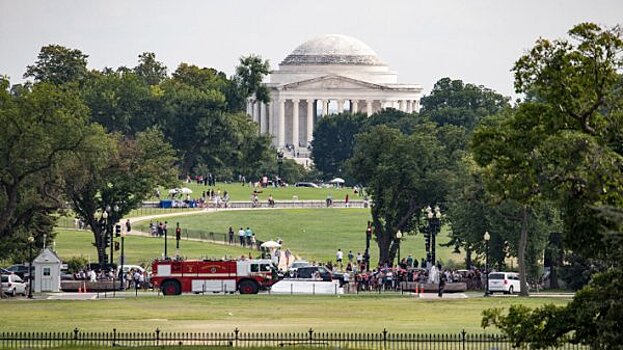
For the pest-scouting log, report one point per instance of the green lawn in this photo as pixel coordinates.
(313, 234)
(140, 249)
(257, 313)
(243, 193)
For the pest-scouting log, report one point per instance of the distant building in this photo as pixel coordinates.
(329, 74)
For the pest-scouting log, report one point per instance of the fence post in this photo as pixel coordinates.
(463, 338)
(157, 336)
(311, 335)
(236, 331)
(384, 338)
(114, 337)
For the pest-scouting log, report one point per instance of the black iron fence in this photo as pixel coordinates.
(383, 340)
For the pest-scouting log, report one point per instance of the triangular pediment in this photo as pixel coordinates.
(329, 82)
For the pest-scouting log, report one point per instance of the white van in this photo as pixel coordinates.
(507, 282)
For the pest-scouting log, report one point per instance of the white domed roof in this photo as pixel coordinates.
(333, 49)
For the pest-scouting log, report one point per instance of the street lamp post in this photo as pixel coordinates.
(106, 233)
(366, 256)
(31, 241)
(487, 237)
(434, 225)
(123, 233)
(399, 239)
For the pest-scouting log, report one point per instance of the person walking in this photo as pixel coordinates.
(339, 256)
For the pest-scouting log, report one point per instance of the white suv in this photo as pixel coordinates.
(507, 282)
(12, 285)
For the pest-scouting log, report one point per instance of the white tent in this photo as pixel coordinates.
(337, 180)
(174, 190)
(270, 244)
(185, 190)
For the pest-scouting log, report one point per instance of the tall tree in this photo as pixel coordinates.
(334, 141)
(121, 101)
(116, 173)
(58, 65)
(456, 103)
(249, 74)
(150, 70)
(401, 173)
(576, 109)
(41, 129)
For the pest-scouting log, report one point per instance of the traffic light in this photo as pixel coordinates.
(117, 230)
(116, 246)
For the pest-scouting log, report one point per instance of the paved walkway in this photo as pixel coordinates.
(282, 260)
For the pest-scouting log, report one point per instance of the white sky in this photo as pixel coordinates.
(476, 41)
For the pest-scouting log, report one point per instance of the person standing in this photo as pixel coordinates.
(231, 235)
(288, 254)
(241, 236)
(346, 201)
(350, 256)
(442, 284)
(248, 234)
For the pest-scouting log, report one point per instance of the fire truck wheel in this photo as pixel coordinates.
(248, 287)
(171, 288)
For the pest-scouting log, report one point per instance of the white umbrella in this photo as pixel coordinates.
(270, 244)
(337, 180)
(174, 190)
(186, 190)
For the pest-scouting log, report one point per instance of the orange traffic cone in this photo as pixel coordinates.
(80, 288)
(417, 289)
(84, 287)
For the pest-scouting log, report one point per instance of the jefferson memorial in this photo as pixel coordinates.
(329, 74)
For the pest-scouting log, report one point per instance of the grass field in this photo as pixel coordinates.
(314, 234)
(139, 249)
(257, 313)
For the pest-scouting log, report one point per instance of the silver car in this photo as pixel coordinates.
(12, 285)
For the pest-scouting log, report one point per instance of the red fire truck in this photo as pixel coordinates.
(174, 277)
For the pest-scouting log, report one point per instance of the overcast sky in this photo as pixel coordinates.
(476, 41)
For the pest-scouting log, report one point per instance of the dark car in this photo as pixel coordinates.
(306, 184)
(21, 270)
(322, 272)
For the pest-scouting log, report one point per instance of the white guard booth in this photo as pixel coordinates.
(47, 271)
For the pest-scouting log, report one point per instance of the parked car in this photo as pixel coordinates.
(506, 282)
(296, 265)
(21, 270)
(309, 272)
(306, 184)
(12, 284)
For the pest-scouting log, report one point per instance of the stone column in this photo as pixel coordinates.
(281, 123)
(310, 120)
(401, 106)
(340, 106)
(257, 110)
(409, 107)
(416, 105)
(295, 123)
(368, 107)
(263, 118)
(325, 107)
(353, 106)
(250, 107)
